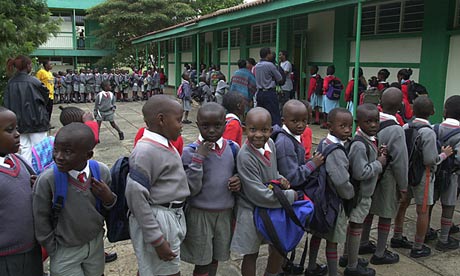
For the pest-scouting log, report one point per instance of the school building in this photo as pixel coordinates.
(74, 46)
(420, 34)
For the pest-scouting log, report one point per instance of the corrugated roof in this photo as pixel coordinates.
(211, 15)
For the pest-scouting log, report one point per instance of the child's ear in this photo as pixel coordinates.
(282, 121)
(89, 154)
(329, 126)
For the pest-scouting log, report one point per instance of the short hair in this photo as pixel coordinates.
(70, 114)
(104, 83)
(241, 63)
(4, 109)
(373, 81)
(251, 61)
(391, 99)
(452, 107)
(185, 75)
(45, 62)
(79, 132)
(231, 100)
(384, 72)
(257, 110)
(364, 109)
(264, 52)
(288, 105)
(330, 70)
(315, 68)
(423, 107)
(331, 117)
(158, 104)
(284, 53)
(211, 107)
(405, 73)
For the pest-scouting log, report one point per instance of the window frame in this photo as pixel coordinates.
(235, 40)
(272, 39)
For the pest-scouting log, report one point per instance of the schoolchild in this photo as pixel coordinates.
(423, 192)
(257, 165)
(382, 76)
(315, 100)
(448, 193)
(328, 104)
(221, 88)
(366, 163)
(157, 221)
(73, 237)
(235, 105)
(104, 108)
(307, 136)
(404, 80)
(90, 82)
(82, 88)
(163, 80)
(76, 86)
(210, 167)
(340, 122)
(187, 100)
(392, 187)
(69, 86)
(208, 95)
(20, 254)
(349, 91)
(97, 81)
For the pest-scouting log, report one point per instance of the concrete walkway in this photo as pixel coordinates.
(129, 118)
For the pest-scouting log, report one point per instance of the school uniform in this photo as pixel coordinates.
(315, 100)
(187, 100)
(448, 194)
(69, 85)
(104, 106)
(255, 167)
(156, 213)
(209, 209)
(90, 82)
(76, 82)
(233, 129)
(365, 169)
(328, 104)
(97, 82)
(385, 200)
(76, 244)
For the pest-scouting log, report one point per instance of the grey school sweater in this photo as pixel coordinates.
(365, 169)
(105, 103)
(17, 224)
(163, 166)
(79, 221)
(208, 177)
(444, 129)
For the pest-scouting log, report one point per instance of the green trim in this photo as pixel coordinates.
(387, 36)
(69, 4)
(225, 63)
(319, 63)
(215, 57)
(71, 53)
(387, 64)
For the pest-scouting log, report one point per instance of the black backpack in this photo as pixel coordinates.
(319, 85)
(197, 94)
(117, 220)
(415, 154)
(414, 90)
(448, 166)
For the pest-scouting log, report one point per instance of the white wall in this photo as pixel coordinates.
(255, 52)
(171, 74)
(186, 57)
(234, 55)
(453, 68)
(389, 50)
(320, 37)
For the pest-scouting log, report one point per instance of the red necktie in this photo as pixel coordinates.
(9, 162)
(267, 154)
(82, 177)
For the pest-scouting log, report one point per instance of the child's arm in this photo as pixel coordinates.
(337, 169)
(113, 101)
(361, 168)
(396, 147)
(193, 163)
(429, 148)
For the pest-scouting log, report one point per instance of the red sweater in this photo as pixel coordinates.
(95, 128)
(312, 85)
(407, 106)
(233, 131)
(306, 138)
(178, 144)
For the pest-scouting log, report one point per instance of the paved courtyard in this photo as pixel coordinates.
(129, 118)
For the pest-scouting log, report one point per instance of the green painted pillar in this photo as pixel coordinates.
(229, 54)
(343, 27)
(137, 58)
(166, 60)
(75, 62)
(146, 56)
(357, 55)
(177, 65)
(74, 31)
(285, 35)
(435, 53)
(159, 54)
(215, 45)
(302, 66)
(278, 29)
(198, 66)
(244, 42)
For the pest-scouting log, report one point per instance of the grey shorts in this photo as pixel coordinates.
(423, 192)
(172, 225)
(339, 233)
(82, 88)
(69, 89)
(448, 194)
(208, 238)
(187, 105)
(246, 239)
(27, 263)
(105, 116)
(90, 88)
(359, 213)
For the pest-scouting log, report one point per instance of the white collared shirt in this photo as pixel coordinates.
(387, 117)
(156, 137)
(232, 116)
(451, 121)
(2, 162)
(297, 137)
(422, 120)
(266, 148)
(334, 139)
(74, 173)
(219, 142)
(362, 133)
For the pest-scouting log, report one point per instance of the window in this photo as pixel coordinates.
(263, 33)
(186, 43)
(234, 38)
(392, 17)
(171, 46)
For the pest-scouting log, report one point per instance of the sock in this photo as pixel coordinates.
(397, 232)
(366, 229)
(418, 242)
(317, 116)
(331, 256)
(382, 237)
(345, 245)
(213, 268)
(354, 237)
(315, 242)
(446, 223)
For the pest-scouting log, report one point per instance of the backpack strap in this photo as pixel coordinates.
(96, 173)
(386, 124)
(61, 180)
(448, 135)
(359, 138)
(233, 148)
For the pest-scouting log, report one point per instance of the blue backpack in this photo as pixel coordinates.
(334, 90)
(117, 220)
(61, 182)
(325, 198)
(283, 227)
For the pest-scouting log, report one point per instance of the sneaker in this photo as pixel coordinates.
(121, 135)
(110, 257)
(422, 252)
(343, 262)
(401, 243)
(431, 235)
(320, 270)
(359, 271)
(451, 244)
(454, 229)
(186, 122)
(369, 248)
(388, 258)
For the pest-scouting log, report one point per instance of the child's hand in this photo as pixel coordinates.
(382, 159)
(383, 150)
(448, 151)
(102, 191)
(318, 159)
(33, 178)
(205, 148)
(284, 183)
(87, 117)
(402, 196)
(165, 253)
(234, 183)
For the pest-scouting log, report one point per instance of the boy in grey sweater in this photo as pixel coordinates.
(257, 165)
(210, 165)
(73, 239)
(157, 221)
(104, 108)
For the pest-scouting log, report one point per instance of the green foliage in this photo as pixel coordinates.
(24, 25)
(209, 6)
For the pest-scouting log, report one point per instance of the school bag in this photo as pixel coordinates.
(415, 154)
(42, 154)
(61, 180)
(414, 90)
(180, 92)
(334, 89)
(319, 85)
(283, 227)
(448, 166)
(325, 198)
(197, 94)
(371, 95)
(117, 220)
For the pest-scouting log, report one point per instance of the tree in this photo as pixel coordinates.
(208, 6)
(25, 25)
